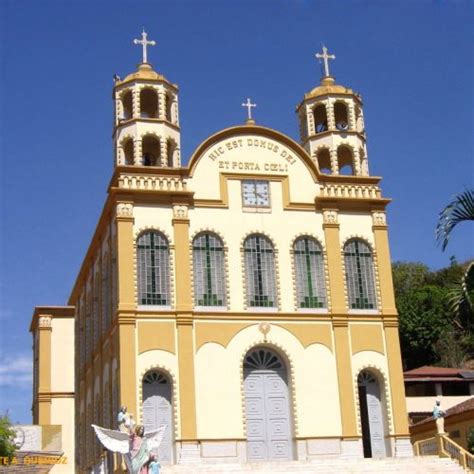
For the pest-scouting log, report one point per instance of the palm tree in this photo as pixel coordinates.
(460, 209)
(461, 296)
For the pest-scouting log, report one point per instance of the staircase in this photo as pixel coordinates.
(414, 465)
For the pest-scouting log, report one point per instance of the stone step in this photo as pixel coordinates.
(416, 465)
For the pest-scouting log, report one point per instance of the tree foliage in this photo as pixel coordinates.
(431, 333)
(7, 434)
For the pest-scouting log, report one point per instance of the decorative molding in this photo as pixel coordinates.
(330, 216)
(124, 209)
(45, 321)
(180, 211)
(379, 218)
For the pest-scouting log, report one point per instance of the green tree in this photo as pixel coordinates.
(422, 316)
(7, 434)
(408, 275)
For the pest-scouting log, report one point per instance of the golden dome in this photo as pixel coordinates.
(145, 72)
(328, 86)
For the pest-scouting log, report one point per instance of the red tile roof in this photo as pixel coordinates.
(429, 371)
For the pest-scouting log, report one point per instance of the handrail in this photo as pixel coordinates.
(443, 446)
(451, 449)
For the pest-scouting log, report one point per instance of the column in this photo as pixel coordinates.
(137, 151)
(136, 102)
(330, 115)
(162, 104)
(164, 152)
(351, 113)
(357, 170)
(126, 306)
(44, 369)
(184, 322)
(334, 162)
(341, 332)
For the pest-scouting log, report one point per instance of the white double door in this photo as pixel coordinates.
(269, 434)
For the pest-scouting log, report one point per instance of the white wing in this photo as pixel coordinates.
(115, 441)
(155, 437)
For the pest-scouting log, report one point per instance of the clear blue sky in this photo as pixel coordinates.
(411, 60)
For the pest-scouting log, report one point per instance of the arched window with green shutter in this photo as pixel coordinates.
(309, 269)
(153, 269)
(208, 270)
(260, 272)
(359, 275)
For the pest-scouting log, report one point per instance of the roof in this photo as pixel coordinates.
(427, 373)
(145, 72)
(329, 86)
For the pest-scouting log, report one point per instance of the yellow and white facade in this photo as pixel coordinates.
(245, 299)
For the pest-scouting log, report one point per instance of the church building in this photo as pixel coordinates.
(244, 300)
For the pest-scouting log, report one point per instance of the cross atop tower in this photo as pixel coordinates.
(325, 56)
(249, 106)
(144, 42)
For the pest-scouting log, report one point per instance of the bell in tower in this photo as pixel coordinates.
(146, 130)
(332, 126)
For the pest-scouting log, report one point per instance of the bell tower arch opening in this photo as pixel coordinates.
(341, 116)
(320, 118)
(151, 151)
(345, 160)
(324, 160)
(148, 103)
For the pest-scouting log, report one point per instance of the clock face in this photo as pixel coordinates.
(256, 193)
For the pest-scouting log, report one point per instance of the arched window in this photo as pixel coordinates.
(320, 118)
(359, 275)
(209, 275)
(260, 272)
(324, 161)
(345, 160)
(148, 103)
(127, 105)
(340, 115)
(153, 269)
(128, 152)
(310, 281)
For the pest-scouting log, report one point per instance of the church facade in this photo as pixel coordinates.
(244, 300)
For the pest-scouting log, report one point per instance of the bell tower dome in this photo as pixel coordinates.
(332, 126)
(146, 119)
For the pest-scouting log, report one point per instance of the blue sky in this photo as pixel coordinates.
(411, 60)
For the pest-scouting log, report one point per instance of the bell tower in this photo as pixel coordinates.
(332, 126)
(146, 119)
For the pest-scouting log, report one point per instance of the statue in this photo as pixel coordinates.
(438, 415)
(125, 421)
(137, 447)
(155, 466)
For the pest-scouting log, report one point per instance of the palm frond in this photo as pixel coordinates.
(460, 209)
(460, 299)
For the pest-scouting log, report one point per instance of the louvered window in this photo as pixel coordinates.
(153, 269)
(209, 275)
(359, 275)
(309, 267)
(260, 272)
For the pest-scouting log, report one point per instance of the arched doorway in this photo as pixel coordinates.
(267, 406)
(371, 416)
(158, 410)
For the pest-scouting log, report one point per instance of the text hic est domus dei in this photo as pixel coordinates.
(237, 154)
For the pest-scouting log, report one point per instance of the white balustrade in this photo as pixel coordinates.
(152, 183)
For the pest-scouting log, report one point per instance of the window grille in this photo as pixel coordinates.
(310, 280)
(209, 274)
(153, 269)
(260, 272)
(359, 275)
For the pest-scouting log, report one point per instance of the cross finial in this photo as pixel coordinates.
(249, 106)
(325, 56)
(144, 42)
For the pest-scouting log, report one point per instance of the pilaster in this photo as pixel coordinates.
(184, 323)
(340, 324)
(44, 369)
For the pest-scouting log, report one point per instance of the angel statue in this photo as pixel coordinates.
(138, 448)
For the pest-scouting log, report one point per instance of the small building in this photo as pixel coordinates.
(424, 385)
